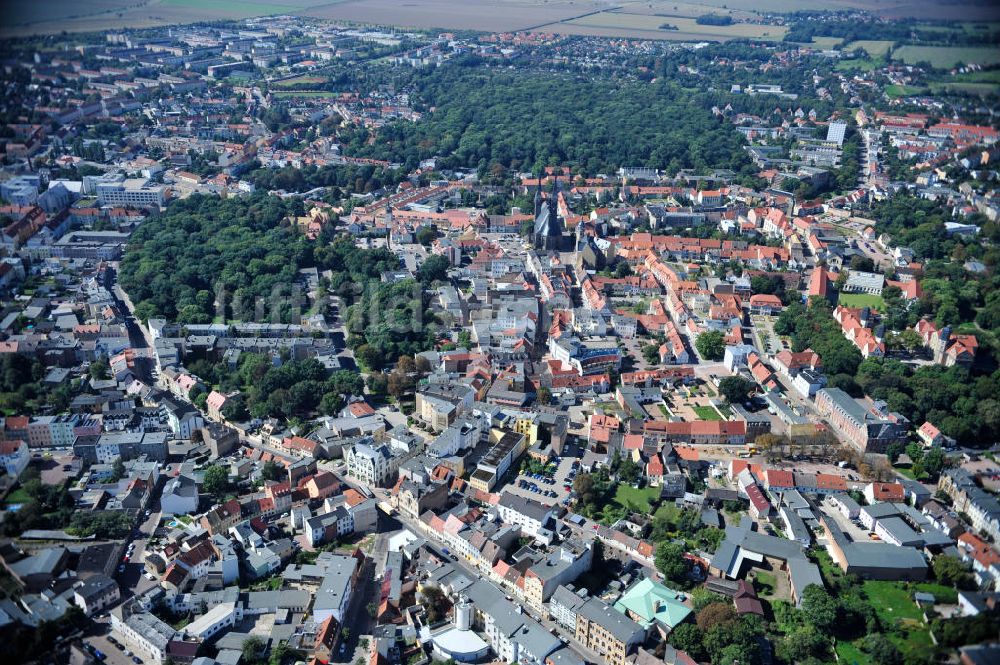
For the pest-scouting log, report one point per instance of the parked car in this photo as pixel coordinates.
(137, 660)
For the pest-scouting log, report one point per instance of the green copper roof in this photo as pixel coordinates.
(649, 601)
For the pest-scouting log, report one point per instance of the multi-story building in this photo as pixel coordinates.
(370, 463)
(508, 447)
(514, 636)
(131, 193)
(142, 631)
(587, 356)
(109, 446)
(340, 575)
(96, 593)
(531, 516)
(605, 630)
(869, 429)
(567, 562)
(60, 431)
(14, 457)
(982, 507)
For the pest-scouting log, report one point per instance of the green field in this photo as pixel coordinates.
(640, 25)
(946, 57)
(636, 499)
(865, 65)
(18, 496)
(875, 48)
(850, 654)
(706, 412)
(299, 80)
(966, 88)
(826, 42)
(894, 90)
(861, 300)
(294, 93)
(893, 603)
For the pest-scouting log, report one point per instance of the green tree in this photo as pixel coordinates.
(436, 604)
(272, 471)
(99, 370)
(715, 614)
(820, 609)
(951, 571)
(651, 354)
(711, 345)
(881, 649)
(544, 396)
(671, 562)
(434, 269)
(216, 481)
(252, 646)
(117, 469)
(688, 638)
(426, 235)
(735, 389)
(804, 642)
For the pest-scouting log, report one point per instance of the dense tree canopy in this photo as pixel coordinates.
(179, 262)
(528, 120)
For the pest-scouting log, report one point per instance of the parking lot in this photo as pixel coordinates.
(854, 531)
(556, 484)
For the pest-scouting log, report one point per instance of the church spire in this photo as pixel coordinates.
(538, 196)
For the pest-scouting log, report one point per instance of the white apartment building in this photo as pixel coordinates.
(369, 464)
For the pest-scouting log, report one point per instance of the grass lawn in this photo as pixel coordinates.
(905, 471)
(892, 601)
(706, 412)
(664, 410)
(765, 583)
(634, 499)
(849, 654)
(945, 57)
(18, 496)
(894, 90)
(943, 594)
(864, 64)
(873, 47)
(668, 511)
(293, 93)
(861, 300)
(965, 87)
(298, 80)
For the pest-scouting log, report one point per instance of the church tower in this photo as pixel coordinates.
(548, 229)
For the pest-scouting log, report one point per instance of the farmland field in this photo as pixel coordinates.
(966, 87)
(27, 17)
(865, 65)
(102, 15)
(643, 25)
(945, 57)
(489, 15)
(894, 90)
(874, 48)
(970, 10)
(826, 42)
